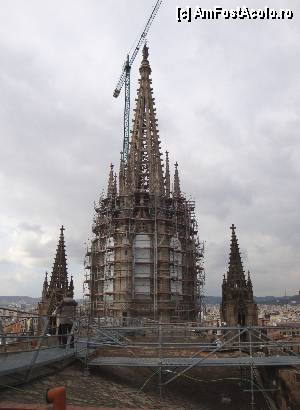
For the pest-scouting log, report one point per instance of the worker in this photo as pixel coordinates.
(65, 315)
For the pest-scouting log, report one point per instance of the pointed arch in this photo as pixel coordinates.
(142, 262)
(109, 259)
(175, 268)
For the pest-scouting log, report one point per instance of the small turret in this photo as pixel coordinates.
(115, 188)
(176, 188)
(71, 288)
(122, 177)
(45, 286)
(249, 282)
(167, 176)
(110, 185)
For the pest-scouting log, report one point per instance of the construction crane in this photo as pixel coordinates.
(125, 78)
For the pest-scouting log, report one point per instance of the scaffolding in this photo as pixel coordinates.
(155, 265)
(145, 259)
(169, 351)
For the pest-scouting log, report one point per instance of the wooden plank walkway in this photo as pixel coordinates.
(185, 362)
(16, 362)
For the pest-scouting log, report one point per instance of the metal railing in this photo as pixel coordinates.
(194, 345)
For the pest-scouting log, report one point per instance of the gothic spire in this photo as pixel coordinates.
(59, 276)
(176, 189)
(235, 273)
(145, 171)
(167, 176)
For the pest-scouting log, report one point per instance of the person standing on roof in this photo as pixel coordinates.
(65, 316)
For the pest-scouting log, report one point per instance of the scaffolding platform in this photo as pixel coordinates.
(169, 362)
(22, 366)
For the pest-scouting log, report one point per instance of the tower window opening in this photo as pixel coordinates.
(109, 258)
(175, 268)
(142, 266)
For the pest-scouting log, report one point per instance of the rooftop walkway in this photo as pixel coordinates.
(185, 362)
(14, 362)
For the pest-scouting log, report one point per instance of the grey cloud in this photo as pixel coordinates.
(25, 226)
(228, 97)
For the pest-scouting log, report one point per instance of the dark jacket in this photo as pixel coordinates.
(66, 311)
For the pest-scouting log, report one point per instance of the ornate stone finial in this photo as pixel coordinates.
(145, 52)
(110, 186)
(70, 292)
(122, 174)
(46, 280)
(249, 281)
(45, 287)
(115, 189)
(167, 176)
(176, 190)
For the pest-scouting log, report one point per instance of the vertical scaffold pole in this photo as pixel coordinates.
(160, 358)
(155, 287)
(252, 370)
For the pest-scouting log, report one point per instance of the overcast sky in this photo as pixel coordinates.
(228, 103)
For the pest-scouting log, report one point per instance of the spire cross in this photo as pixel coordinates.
(233, 227)
(62, 229)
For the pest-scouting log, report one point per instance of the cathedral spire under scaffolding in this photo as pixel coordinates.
(145, 171)
(144, 259)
